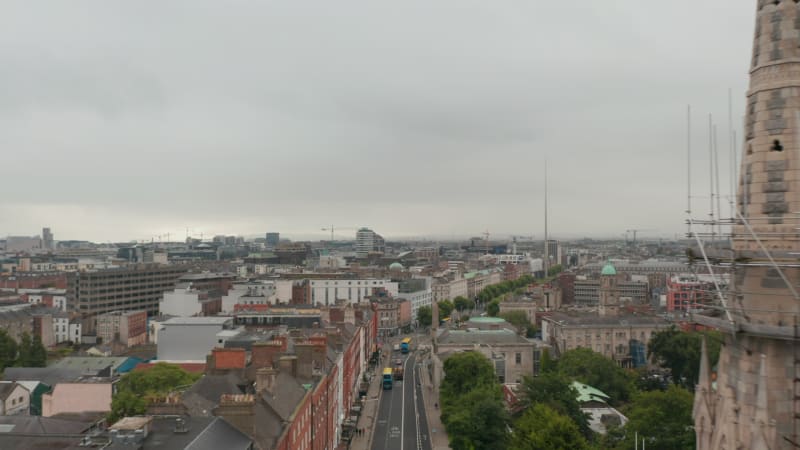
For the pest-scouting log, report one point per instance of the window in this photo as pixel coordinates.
(518, 358)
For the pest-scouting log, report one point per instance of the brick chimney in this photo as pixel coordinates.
(239, 411)
(288, 364)
(320, 341)
(284, 340)
(265, 380)
(229, 358)
(264, 354)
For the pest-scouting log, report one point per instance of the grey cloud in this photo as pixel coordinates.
(415, 117)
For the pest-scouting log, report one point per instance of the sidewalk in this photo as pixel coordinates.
(430, 396)
(367, 418)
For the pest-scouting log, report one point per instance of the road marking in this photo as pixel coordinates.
(403, 407)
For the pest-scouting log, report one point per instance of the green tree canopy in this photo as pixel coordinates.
(161, 379)
(493, 308)
(38, 353)
(543, 428)
(519, 319)
(662, 418)
(445, 308)
(477, 420)
(465, 371)
(596, 370)
(8, 350)
(554, 270)
(24, 351)
(424, 316)
(462, 303)
(679, 351)
(126, 404)
(555, 391)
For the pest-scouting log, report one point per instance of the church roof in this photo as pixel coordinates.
(608, 269)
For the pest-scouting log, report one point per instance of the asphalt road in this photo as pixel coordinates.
(401, 422)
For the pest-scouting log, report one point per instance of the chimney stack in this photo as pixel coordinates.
(264, 354)
(288, 364)
(265, 380)
(239, 411)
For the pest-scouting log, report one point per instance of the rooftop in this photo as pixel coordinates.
(475, 336)
(594, 320)
(216, 320)
(90, 363)
(489, 320)
(588, 393)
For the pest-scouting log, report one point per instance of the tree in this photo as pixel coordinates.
(597, 371)
(126, 404)
(465, 371)
(161, 379)
(424, 316)
(547, 363)
(38, 353)
(24, 351)
(445, 308)
(554, 270)
(662, 418)
(461, 303)
(8, 350)
(555, 391)
(679, 351)
(477, 420)
(472, 407)
(542, 428)
(519, 319)
(493, 308)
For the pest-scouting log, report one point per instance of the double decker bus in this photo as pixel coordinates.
(388, 378)
(405, 345)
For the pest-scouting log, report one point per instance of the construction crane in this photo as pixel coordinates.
(332, 228)
(634, 231)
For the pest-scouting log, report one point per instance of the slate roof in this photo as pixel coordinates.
(204, 433)
(288, 394)
(47, 375)
(6, 388)
(203, 396)
(36, 433)
(91, 364)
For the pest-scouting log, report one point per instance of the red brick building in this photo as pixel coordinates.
(34, 280)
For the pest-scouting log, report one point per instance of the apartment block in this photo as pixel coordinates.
(126, 327)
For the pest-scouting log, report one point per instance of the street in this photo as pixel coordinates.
(401, 421)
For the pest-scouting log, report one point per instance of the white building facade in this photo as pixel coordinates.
(327, 292)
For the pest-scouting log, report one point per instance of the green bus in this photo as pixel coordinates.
(387, 378)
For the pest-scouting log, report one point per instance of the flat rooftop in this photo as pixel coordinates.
(215, 320)
(475, 336)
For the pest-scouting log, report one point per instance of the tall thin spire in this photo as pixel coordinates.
(546, 238)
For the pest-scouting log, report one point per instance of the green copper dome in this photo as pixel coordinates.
(396, 266)
(609, 269)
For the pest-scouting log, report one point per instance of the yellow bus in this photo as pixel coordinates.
(405, 345)
(387, 378)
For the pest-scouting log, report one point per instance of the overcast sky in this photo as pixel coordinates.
(126, 120)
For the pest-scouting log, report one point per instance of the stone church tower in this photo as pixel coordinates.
(608, 293)
(753, 404)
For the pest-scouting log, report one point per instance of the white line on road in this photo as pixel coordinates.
(403, 405)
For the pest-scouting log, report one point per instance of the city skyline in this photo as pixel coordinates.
(413, 120)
